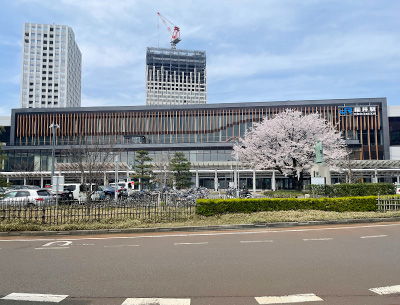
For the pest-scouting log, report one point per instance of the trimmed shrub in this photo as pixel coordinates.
(210, 207)
(283, 194)
(356, 189)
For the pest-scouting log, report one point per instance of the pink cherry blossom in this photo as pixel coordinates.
(286, 143)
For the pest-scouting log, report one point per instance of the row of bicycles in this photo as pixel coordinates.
(167, 196)
(235, 193)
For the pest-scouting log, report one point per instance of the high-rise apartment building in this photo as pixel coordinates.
(51, 67)
(175, 77)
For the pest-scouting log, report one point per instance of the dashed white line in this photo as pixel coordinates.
(204, 243)
(386, 290)
(120, 246)
(53, 298)
(150, 301)
(309, 239)
(51, 248)
(296, 298)
(256, 241)
(374, 236)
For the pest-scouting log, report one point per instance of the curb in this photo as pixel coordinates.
(198, 228)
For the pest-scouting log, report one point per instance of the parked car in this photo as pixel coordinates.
(79, 191)
(28, 197)
(22, 187)
(109, 192)
(64, 197)
(125, 188)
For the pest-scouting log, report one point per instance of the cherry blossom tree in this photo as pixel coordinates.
(286, 143)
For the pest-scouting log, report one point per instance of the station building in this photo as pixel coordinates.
(205, 133)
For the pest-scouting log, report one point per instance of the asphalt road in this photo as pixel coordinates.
(341, 264)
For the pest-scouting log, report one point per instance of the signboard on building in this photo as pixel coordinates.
(357, 110)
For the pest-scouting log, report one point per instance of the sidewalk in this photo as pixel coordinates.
(198, 228)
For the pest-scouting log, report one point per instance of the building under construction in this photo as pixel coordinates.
(175, 77)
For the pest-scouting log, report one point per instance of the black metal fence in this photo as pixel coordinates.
(151, 208)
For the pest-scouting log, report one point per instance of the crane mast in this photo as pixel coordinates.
(175, 34)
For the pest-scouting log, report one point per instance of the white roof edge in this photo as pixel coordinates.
(393, 111)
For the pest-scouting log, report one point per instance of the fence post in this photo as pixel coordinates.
(378, 204)
(44, 215)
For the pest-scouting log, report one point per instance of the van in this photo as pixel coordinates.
(128, 186)
(78, 191)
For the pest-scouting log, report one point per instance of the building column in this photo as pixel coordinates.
(41, 181)
(197, 178)
(398, 178)
(273, 184)
(24, 180)
(376, 176)
(254, 180)
(8, 180)
(105, 179)
(216, 181)
(235, 178)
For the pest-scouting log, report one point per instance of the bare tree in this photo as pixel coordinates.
(347, 168)
(161, 175)
(91, 162)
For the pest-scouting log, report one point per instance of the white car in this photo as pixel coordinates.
(27, 197)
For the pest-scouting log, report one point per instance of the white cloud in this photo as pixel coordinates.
(314, 52)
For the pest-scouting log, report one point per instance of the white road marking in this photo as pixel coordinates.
(256, 241)
(155, 301)
(204, 243)
(258, 231)
(308, 239)
(53, 298)
(373, 236)
(52, 248)
(60, 243)
(295, 298)
(386, 290)
(120, 246)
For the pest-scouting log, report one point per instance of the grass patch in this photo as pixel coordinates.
(196, 220)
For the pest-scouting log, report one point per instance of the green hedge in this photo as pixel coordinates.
(354, 189)
(283, 194)
(210, 207)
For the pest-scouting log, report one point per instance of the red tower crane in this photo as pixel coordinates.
(176, 34)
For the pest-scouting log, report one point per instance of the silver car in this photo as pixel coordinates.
(27, 197)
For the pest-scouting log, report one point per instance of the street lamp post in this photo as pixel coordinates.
(116, 179)
(53, 153)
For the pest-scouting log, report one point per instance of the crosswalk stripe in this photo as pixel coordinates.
(34, 297)
(386, 290)
(155, 301)
(295, 298)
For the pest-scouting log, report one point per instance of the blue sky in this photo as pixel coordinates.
(267, 50)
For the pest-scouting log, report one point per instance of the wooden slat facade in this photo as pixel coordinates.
(189, 126)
